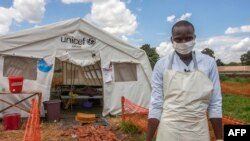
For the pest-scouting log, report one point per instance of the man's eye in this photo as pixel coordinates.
(189, 38)
(177, 40)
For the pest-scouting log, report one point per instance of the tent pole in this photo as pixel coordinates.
(87, 67)
(87, 76)
(99, 66)
(93, 66)
(66, 73)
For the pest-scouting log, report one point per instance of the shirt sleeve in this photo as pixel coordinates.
(156, 101)
(215, 105)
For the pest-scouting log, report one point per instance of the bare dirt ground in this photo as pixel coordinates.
(235, 88)
(55, 131)
(50, 132)
(62, 131)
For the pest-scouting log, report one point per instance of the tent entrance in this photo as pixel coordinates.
(77, 86)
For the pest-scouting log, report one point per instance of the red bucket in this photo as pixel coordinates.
(15, 84)
(11, 121)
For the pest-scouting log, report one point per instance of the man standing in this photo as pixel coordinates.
(185, 86)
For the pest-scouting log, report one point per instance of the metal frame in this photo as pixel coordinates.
(33, 94)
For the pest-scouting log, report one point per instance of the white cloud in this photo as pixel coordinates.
(5, 20)
(36, 26)
(164, 48)
(227, 48)
(244, 44)
(124, 38)
(113, 16)
(21, 10)
(78, 1)
(245, 28)
(185, 16)
(232, 30)
(136, 40)
(31, 11)
(171, 18)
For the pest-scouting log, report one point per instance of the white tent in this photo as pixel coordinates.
(125, 70)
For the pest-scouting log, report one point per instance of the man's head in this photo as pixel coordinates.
(183, 31)
(183, 37)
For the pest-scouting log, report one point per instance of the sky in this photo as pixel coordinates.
(221, 25)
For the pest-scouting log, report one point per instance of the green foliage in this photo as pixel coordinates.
(129, 128)
(237, 107)
(208, 51)
(219, 62)
(143, 137)
(241, 80)
(234, 64)
(57, 75)
(225, 78)
(152, 55)
(245, 58)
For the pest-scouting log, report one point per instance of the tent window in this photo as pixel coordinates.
(76, 75)
(125, 72)
(26, 67)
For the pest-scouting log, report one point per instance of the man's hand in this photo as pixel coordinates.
(217, 126)
(152, 127)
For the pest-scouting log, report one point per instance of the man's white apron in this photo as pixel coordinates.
(186, 98)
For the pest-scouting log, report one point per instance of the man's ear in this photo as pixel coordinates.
(194, 36)
(171, 38)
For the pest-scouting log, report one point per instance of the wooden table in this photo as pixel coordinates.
(37, 94)
(71, 100)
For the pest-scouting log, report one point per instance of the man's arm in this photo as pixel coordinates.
(217, 126)
(156, 101)
(152, 127)
(215, 106)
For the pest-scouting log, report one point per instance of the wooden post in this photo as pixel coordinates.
(123, 110)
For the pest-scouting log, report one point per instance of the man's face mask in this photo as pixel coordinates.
(184, 48)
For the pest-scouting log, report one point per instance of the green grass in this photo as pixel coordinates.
(225, 78)
(143, 136)
(129, 128)
(237, 107)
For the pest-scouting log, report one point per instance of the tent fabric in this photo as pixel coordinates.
(82, 44)
(78, 62)
(76, 75)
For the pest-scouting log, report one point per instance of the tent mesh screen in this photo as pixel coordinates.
(134, 114)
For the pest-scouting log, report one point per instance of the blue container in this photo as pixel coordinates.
(87, 104)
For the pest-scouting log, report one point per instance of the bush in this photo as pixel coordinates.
(129, 128)
(144, 136)
(241, 80)
(223, 77)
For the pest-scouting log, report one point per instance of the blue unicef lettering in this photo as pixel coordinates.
(43, 66)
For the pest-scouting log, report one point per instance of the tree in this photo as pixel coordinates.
(152, 55)
(208, 51)
(219, 62)
(245, 58)
(233, 64)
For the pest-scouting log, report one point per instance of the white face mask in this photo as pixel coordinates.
(184, 48)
